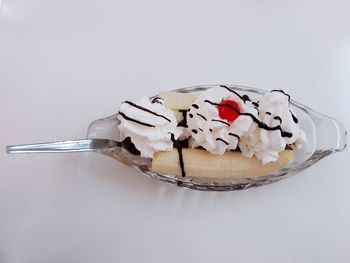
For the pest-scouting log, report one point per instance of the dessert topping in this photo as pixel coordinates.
(149, 124)
(228, 110)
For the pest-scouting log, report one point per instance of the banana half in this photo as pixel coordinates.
(200, 163)
(176, 100)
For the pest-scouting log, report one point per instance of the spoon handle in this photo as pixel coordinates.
(82, 145)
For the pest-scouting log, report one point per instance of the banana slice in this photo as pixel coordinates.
(200, 163)
(176, 100)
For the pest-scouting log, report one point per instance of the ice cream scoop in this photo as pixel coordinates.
(172, 151)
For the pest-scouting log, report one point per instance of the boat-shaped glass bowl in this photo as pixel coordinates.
(325, 136)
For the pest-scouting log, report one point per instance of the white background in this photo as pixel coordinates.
(65, 63)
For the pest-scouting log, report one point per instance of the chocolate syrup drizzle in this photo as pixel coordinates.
(257, 110)
(282, 91)
(195, 106)
(179, 146)
(183, 123)
(278, 118)
(136, 121)
(127, 144)
(143, 109)
(224, 122)
(244, 98)
(294, 118)
(222, 140)
(146, 110)
(235, 135)
(156, 100)
(200, 115)
(181, 161)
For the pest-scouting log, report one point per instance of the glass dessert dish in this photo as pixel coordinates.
(324, 135)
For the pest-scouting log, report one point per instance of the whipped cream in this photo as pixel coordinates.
(262, 128)
(279, 127)
(213, 133)
(149, 124)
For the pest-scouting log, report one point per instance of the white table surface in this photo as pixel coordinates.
(65, 63)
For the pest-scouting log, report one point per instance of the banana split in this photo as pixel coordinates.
(217, 133)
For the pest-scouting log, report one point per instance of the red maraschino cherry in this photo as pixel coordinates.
(228, 110)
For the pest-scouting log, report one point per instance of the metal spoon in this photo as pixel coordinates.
(82, 145)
